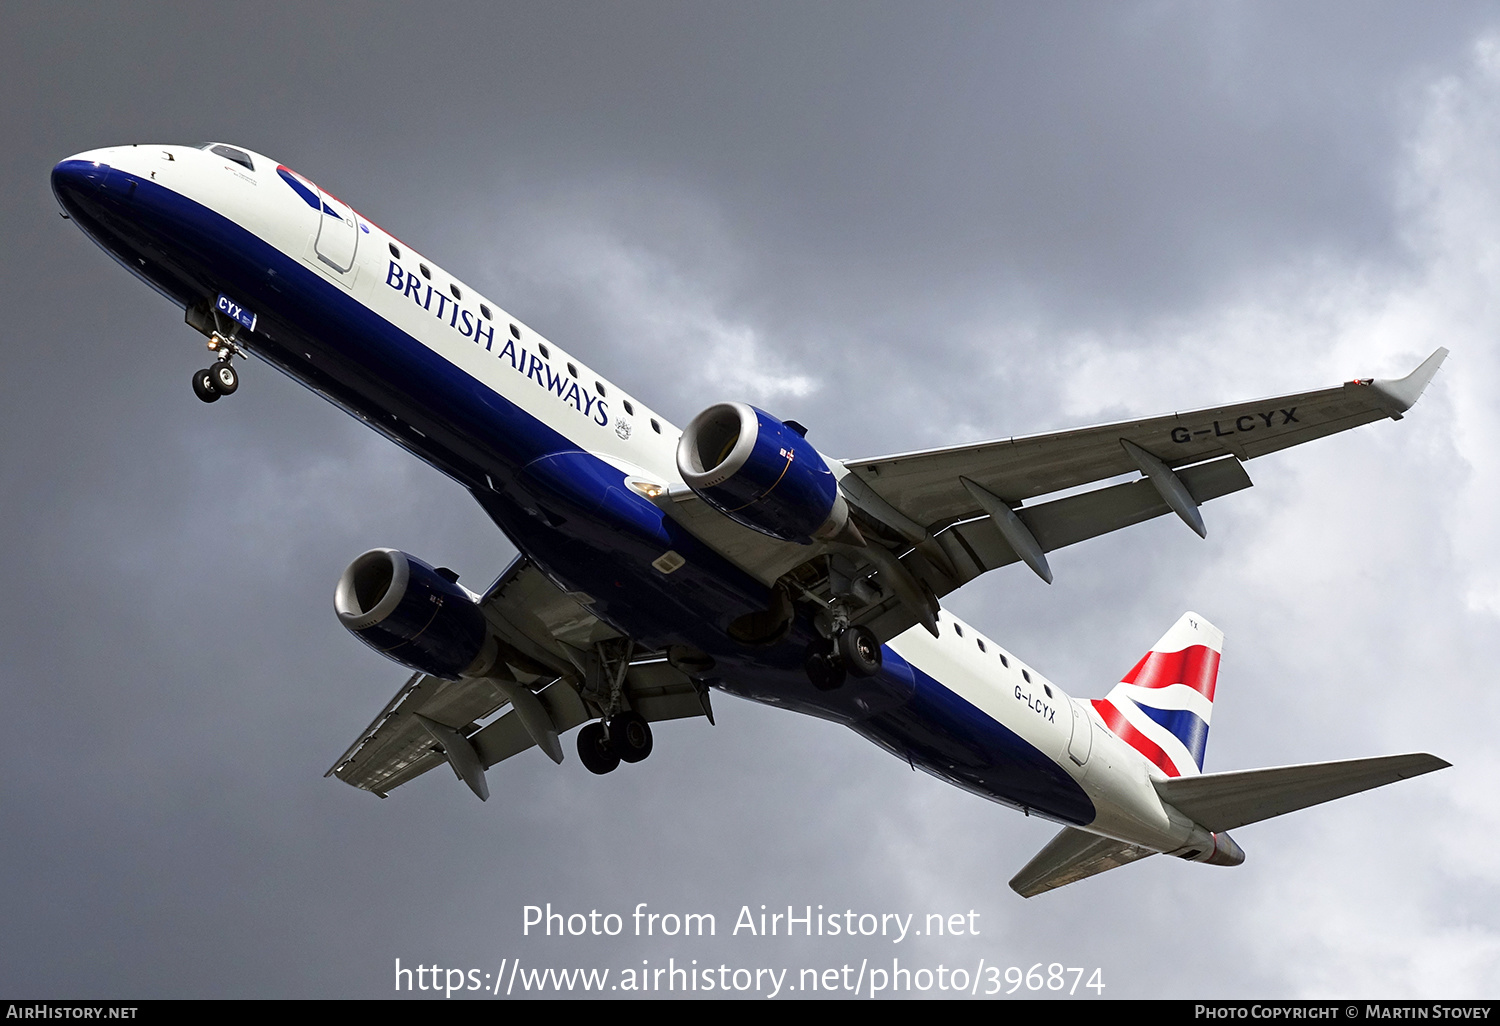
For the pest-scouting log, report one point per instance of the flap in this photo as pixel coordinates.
(925, 486)
(552, 638)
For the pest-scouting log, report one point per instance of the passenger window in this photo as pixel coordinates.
(628, 408)
(454, 289)
(486, 311)
(655, 426)
(394, 251)
(515, 333)
(425, 272)
(542, 348)
(572, 370)
(598, 388)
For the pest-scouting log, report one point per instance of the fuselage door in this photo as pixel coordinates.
(338, 234)
(1082, 741)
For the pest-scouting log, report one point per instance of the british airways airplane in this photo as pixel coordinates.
(659, 564)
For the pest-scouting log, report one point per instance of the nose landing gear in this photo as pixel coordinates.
(214, 382)
(221, 379)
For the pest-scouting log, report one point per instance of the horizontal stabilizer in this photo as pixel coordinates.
(1223, 801)
(1070, 856)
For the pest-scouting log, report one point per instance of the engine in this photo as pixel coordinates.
(409, 612)
(761, 473)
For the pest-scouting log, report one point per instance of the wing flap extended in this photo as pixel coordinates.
(396, 747)
(976, 547)
(935, 509)
(550, 634)
(1071, 856)
(1223, 801)
(926, 486)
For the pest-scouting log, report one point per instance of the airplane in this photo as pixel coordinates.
(658, 565)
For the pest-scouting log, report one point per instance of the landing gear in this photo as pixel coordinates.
(221, 379)
(203, 386)
(860, 651)
(624, 737)
(629, 735)
(855, 651)
(824, 669)
(225, 378)
(595, 751)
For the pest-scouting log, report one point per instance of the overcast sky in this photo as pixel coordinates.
(901, 224)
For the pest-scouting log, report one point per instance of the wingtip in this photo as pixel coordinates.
(1401, 394)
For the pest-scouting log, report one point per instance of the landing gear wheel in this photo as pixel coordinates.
(594, 750)
(860, 651)
(224, 378)
(629, 735)
(824, 669)
(203, 386)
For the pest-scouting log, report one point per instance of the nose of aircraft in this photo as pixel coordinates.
(77, 178)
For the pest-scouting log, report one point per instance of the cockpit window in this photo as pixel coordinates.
(230, 153)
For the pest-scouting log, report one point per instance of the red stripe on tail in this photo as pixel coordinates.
(1116, 722)
(1197, 666)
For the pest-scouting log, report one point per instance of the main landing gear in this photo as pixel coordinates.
(221, 379)
(624, 737)
(852, 651)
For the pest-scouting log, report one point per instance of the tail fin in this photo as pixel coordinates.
(1162, 707)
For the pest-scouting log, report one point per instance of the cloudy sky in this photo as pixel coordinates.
(901, 224)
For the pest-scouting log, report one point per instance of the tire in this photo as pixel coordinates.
(594, 750)
(860, 651)
(824, 670)
(203, 386)
(224, 378)
(629, 735)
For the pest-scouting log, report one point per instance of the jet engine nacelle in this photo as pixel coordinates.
(407, 611)
(759, 472)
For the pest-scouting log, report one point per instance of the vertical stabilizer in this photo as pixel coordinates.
(1162, 707)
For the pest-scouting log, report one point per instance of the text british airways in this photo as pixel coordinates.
(469, 325)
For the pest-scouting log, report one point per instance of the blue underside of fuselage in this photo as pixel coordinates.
(567, 510)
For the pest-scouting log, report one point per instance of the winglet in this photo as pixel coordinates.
(1398, 396)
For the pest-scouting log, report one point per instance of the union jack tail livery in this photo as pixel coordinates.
(1162, 707)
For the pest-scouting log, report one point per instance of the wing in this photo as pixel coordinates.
(925, 486)
(560, 663)
(929, 522)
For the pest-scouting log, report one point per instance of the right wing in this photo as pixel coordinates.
(563, 661)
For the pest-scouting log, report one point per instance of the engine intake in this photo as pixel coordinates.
(407, 611)
(761, 473)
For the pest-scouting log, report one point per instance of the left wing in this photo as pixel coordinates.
(926, 486)
(560, 663)
(932, 521)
